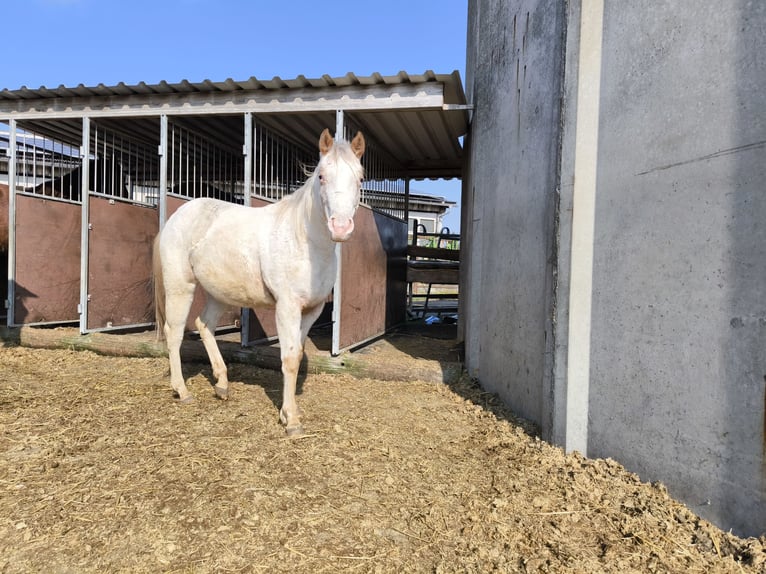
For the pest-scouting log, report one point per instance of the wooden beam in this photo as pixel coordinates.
(433, 252)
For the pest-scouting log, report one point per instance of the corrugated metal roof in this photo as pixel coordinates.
(415, 120)
(452, 80)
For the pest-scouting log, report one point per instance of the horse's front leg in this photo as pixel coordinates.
(288, 315)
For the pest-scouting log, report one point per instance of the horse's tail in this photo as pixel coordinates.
(159, 290)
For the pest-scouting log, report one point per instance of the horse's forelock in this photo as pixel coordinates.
(342, 151)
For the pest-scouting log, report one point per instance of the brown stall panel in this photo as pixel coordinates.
(120, 263)
(373, 278)
(47, 260)
(3, 285)
(262, 326)
(229, 317)
(3, 249)
(3, 217)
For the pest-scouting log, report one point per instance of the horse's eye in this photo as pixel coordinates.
(321, 178)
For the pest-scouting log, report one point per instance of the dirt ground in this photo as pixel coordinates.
(102, 471)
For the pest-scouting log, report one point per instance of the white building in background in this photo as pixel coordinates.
(429, 211)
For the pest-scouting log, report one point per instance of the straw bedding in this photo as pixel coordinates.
(102, 471)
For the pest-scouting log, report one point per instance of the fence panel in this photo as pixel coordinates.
(120, 264)
(47, 271)
(373, 279)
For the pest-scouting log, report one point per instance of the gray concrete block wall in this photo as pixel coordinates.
(678, 352)
(514, 83)
(677, 347)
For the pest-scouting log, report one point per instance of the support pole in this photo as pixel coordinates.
(10, 302)
(247, 150)
(407, 202)
(162, 199)
(85, 224)
(338, 288)
(339, 127)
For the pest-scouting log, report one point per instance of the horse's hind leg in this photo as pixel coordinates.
(206, 324)
(177, 305)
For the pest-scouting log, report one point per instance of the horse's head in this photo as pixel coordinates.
(340, 182)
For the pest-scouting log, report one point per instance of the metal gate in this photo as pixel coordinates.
(121, 223)
(44, 211)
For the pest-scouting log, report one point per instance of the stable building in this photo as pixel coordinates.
(93, 172)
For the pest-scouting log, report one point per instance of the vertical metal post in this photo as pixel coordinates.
(407, 202)
(261, 153)
(162, 198)
(85, 222)
(339, 124)
(11, 319)
(247, 149)
(338, 287)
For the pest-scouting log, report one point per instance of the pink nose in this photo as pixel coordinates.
(340, 228)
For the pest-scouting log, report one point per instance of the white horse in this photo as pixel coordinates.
(280, 256)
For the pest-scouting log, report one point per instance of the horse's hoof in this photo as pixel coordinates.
(296, 430)
(221, 393)
(187, 400)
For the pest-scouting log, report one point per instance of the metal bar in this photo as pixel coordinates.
(84, 232)
(197, 164)
(248, 177)
(258, 159)
(270, 164)
(118, 168)
(248, 149)
(128, 174)
(34, 167)
(280, 165)
(184, 147)
(208, 153)
(173, 162)
(337, 288)
(112, 162)
(61, 171)
(162, 199)
(339, 124)
(10, 318)
(406, 200)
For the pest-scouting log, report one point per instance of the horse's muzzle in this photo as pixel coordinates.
(341, 228)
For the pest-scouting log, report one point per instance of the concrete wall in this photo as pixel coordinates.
(513, 80)
(678, 352)
(633, 267)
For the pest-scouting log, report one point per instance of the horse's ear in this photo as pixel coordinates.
(357, 145)
(325, 142)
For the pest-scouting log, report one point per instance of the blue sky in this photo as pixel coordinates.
(73, 42)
